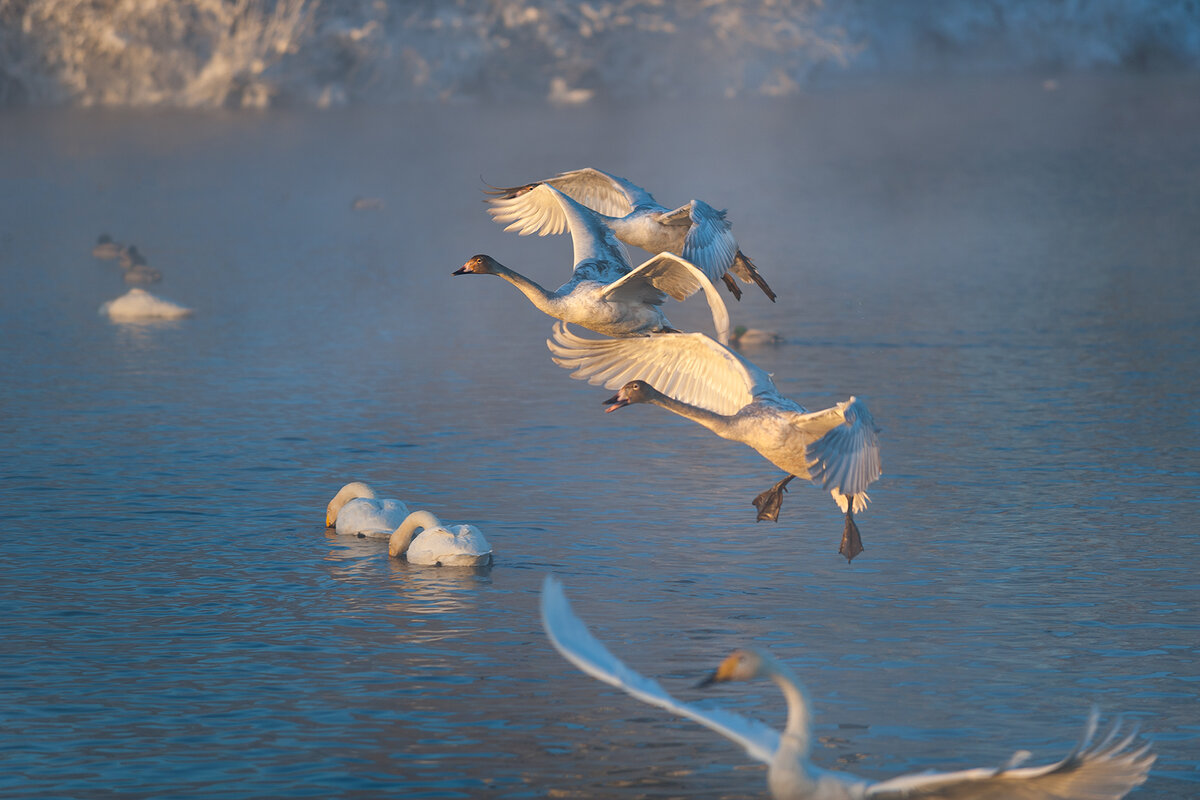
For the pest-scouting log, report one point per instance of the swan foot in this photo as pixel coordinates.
(769, 502)
(733, 288)
(851, 541)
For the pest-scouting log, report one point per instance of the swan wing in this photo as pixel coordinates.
(689, 367)
(371, 517)
(678, 277)
(1104, 770)
(571, 637)
(710, 243)
(846, 456)
(527, 211)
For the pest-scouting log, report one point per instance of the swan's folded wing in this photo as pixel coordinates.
(846, 457)
(529, 211)
(1106, 770)
(575, 642)
(689, 367)
(710, 243)
(678, 277)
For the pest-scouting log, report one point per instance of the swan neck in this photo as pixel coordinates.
(413, 524)
(539, 296)
(715, 422)
(799, 718)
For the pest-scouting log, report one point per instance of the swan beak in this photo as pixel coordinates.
(329, 521)
(709, 680)
(615, 402)
(460, 271)
(723, 672)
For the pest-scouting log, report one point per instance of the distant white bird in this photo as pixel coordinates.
(422, 539)
(138, 304)
(1104, 770)
(604, 294)
(712, 385)
(696, 231)
(357, 511)
(753, 337)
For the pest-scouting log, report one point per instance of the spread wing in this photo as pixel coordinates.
(846, 457)
(528, 212)
(571, 637)
(667, 272)
(689, 367)
(710, 243)
(1104, 770)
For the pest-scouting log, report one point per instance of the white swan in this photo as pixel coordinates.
(696, 231)
(720, 389)
(138, 304)
(357, 511)
(422, 539)
(604, 294)
(1103, 770)
(753, 337)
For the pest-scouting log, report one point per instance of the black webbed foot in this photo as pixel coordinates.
(851, 541)
(769, 502)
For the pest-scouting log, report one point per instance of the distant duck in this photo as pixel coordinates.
(138, 304)
(751, 337)
(131, 257)
(422, 539)
(357, 511)
(696, 231)
(106, 249)
(837, 448)
(604, 294)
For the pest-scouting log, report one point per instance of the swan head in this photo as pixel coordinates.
(478, 265)
(740, 665)
(630, 393)
(350, 491)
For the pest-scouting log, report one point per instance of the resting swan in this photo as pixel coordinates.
(356, 511)
(422, 539)
(696, 231)
(720, 389)
(604, 294)
(1104, 770)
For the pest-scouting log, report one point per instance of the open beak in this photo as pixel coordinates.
(615, 402)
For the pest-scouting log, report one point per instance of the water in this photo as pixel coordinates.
(1006, 274)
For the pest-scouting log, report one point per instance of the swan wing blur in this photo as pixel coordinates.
(571, 637)
(846, 457)
(1104, 770)
(678, 277)
(528, 211)
(689, 367)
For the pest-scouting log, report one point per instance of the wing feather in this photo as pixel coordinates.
(669, 273)
(571, 637)
(710, 243)
(528, 211)
(846, 457)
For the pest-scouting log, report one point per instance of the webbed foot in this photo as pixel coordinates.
(769, 502)
(851, 541)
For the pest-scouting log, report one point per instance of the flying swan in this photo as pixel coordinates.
(693, 376)
(604, 294)
(696, 231)
(1094, 770)
(357, 511)
(422, 539)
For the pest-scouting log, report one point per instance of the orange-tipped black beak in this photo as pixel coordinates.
(709, 680)
(615, 402)
(461, 271)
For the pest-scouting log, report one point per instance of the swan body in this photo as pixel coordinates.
(1095, 770)
(604, 294)
(106, 249)
(718, 388)
(753, 337)
(138, 304)
(422, 539)
(696, 231)
(356, 511)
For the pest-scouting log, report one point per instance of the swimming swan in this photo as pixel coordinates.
(356, 511)
(139, 305)
(720, 389)
(604, 294)
(1103, 770)
(696, 231)
(437, 545)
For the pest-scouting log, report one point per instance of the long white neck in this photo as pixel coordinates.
(537, 295)
(715, 422)
(413, 524)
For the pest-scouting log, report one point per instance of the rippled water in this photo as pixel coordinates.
(1007, 275)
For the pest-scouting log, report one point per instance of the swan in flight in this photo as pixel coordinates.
(696, 231)
(693, 376)
(1095, 770)
(604, 294)
(357, 511)
(422, 539)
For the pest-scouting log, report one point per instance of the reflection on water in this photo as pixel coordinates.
(1010, 286)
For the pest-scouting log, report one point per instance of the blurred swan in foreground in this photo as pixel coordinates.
(1095, 770)
(422, 539)
(604, 294)
(712, 385)
(696, 231)
(357, 511)
(138, 304)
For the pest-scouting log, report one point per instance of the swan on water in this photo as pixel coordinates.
(357, 511)
(696, 231)
(107, 249)
(753, 337)
(604, 294)
(138, 304)
(693, 376)
(423, 539)
(1106, 769)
